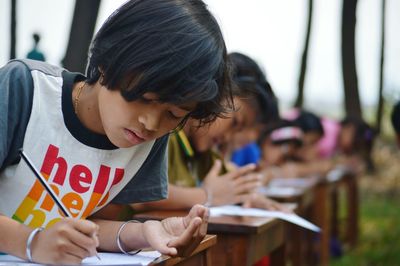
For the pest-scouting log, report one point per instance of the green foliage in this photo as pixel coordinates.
(379, 242)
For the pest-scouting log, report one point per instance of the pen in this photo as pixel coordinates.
(49, 190)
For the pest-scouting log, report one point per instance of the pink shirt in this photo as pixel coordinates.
(327, 144)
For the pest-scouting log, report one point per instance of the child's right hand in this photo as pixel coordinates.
(233, 187)
(66, 242)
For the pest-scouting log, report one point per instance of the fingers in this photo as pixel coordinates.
(248, 183)
(215, 169)
(85, 244)
(189, 239)
(241, 171)
(63, 244)
(85, 226)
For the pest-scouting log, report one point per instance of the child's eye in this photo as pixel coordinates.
(173, 116)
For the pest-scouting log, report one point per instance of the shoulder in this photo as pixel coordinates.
(34, 65)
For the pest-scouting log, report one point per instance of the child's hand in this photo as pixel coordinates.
(232, 187)
(257, 200)
(67, 242)
(178, 236)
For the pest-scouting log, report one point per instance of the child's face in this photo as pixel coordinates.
(278, 154)
(222, 130)
(346, 138)
(309, 149)
(130, 123)
(245, 137)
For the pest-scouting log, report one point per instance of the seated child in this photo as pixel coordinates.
(100, 140)
(197, 173)
(395, 117)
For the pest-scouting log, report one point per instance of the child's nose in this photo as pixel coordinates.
(151, 120)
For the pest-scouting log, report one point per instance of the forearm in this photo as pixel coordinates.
(178, 198)
(131, 236)
(13, 237)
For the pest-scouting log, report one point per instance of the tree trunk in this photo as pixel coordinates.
(380, 97)
(350, 81)
(82, 29)
(300, 94)
(13, 29)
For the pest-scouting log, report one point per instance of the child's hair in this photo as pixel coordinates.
(251, 84)
(363, 139)
(396, 117)
(282, 132)
(309, 122)
(173, 48)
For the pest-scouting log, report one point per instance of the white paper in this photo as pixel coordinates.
(279, 191)
(293, 182)
(233, 210)
(142, 258)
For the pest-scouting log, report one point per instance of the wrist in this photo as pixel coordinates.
(208, 197)
(29, 242)
(123, 243)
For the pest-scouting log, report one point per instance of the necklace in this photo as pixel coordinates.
(76, 99)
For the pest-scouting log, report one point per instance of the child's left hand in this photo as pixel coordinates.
(177, 236)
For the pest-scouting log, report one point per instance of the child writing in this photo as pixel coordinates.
(102, 138)
(197, 173)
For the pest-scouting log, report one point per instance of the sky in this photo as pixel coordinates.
(271, 32)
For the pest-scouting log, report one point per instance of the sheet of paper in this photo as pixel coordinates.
(279, 191)
(293, 182)
(142, 258)
(233, 210)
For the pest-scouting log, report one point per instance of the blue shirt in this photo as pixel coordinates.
(250, 153)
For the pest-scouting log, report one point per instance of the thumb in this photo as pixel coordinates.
(215, 169)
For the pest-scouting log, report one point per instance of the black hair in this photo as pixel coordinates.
(363, 139)
(250, 83)
(277, 124)
(395, 117)
(309, 122)
(173, 48)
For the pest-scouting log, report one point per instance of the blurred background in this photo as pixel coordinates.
(332, 57)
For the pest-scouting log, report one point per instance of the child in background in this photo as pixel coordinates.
(313, 131)
(244, 144)
(279, 144)
(102, 139)
(395, 117)
(355, 143)
(197, 173)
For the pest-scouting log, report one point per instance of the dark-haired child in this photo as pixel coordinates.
(197, 172)
(101, 138)
(395, 117)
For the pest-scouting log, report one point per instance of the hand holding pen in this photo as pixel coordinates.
(68, 241)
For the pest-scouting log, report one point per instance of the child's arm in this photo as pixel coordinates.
(178, 198)
(67, 242)
(175, 236)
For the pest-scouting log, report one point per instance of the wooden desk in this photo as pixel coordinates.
(201, 256)
(348, 184)
(241, 240)
(299, 240)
